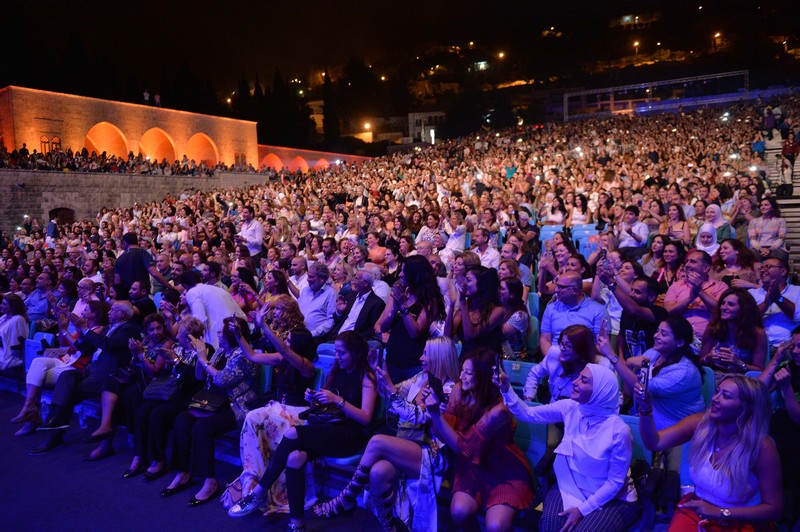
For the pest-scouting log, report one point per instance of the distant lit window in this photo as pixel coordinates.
(44, 144)
(482, 65)
(56, 143)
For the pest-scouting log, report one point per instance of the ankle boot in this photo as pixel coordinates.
(384, 511)
(346, 500)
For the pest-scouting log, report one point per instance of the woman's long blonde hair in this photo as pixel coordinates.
(753, 424)
(442, 359)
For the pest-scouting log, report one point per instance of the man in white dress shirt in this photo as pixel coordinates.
(251, 234)
(209, 304)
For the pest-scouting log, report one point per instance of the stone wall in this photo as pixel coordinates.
(30, 115)
(37, 193)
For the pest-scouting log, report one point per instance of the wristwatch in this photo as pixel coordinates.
(725, 513)
(615, 360)
(612, 286)
(779, 300)
(405, 311)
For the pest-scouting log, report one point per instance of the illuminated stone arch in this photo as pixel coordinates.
(157, 145)
(298, 163)
(272, 161)
(201, 148)
(321, 164)
(106, 137)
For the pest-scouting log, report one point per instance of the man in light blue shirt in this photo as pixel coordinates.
(36, 302)
(317, 301)
(571, 308)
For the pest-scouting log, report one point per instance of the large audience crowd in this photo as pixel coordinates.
(632, 258)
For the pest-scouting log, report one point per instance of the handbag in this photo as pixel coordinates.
(207, 401)
(320, 414)
(164, 388)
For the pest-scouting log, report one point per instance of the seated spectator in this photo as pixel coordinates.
(139, 297)
(695, 296)
(480, 322)
(561, 367)
(516, 319)
(675, 382)
(735, 341)
(778, 301)
(351, 387)
(675, 226)
(783, 372)
(734, 265)
(362, 308)
(489, 256)
(767, 233)
(594, 489)
(632, 234)
(653, 260)
(146, 366)
(154, 418)
(571, 308)
(227, 374)
(715, 218)
(111, 352)
(733, 464)
(38, 301)
(491, 472)
(707, 239)
(414, 458)
(13, 330)
(317, 301)
(290, 353)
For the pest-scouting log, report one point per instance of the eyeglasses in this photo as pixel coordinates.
(768, 266)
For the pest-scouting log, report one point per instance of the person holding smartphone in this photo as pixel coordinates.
(407, 467)
(593, 487)
(675, 381)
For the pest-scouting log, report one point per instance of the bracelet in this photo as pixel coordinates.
(340, 404)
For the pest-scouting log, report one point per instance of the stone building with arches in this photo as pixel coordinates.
(45, 120)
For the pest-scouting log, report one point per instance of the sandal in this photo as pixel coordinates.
(332, 508)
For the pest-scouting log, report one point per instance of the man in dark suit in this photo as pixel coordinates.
(111, 353)
(359, 311)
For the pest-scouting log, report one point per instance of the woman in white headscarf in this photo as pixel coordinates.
(707, 239)
(594, 491)
(714, 217)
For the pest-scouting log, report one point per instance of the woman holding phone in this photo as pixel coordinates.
(414, 457)
(491, 472)
(733, 463)
(594, 490)
(675, 382)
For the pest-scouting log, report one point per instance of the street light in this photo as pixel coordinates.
(501, 55)
(715, 41)
(636, 47)
(367, 126)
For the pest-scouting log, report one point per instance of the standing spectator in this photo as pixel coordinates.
(209, 304)
(134, 264)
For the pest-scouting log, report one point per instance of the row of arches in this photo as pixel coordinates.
(155, 144)
(298, 163)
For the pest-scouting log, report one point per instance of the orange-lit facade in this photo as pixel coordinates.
(44, 120)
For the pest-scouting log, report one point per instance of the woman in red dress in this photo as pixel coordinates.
(491, 472)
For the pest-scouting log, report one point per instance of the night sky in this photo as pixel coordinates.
(151, 40)
(221, 39)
